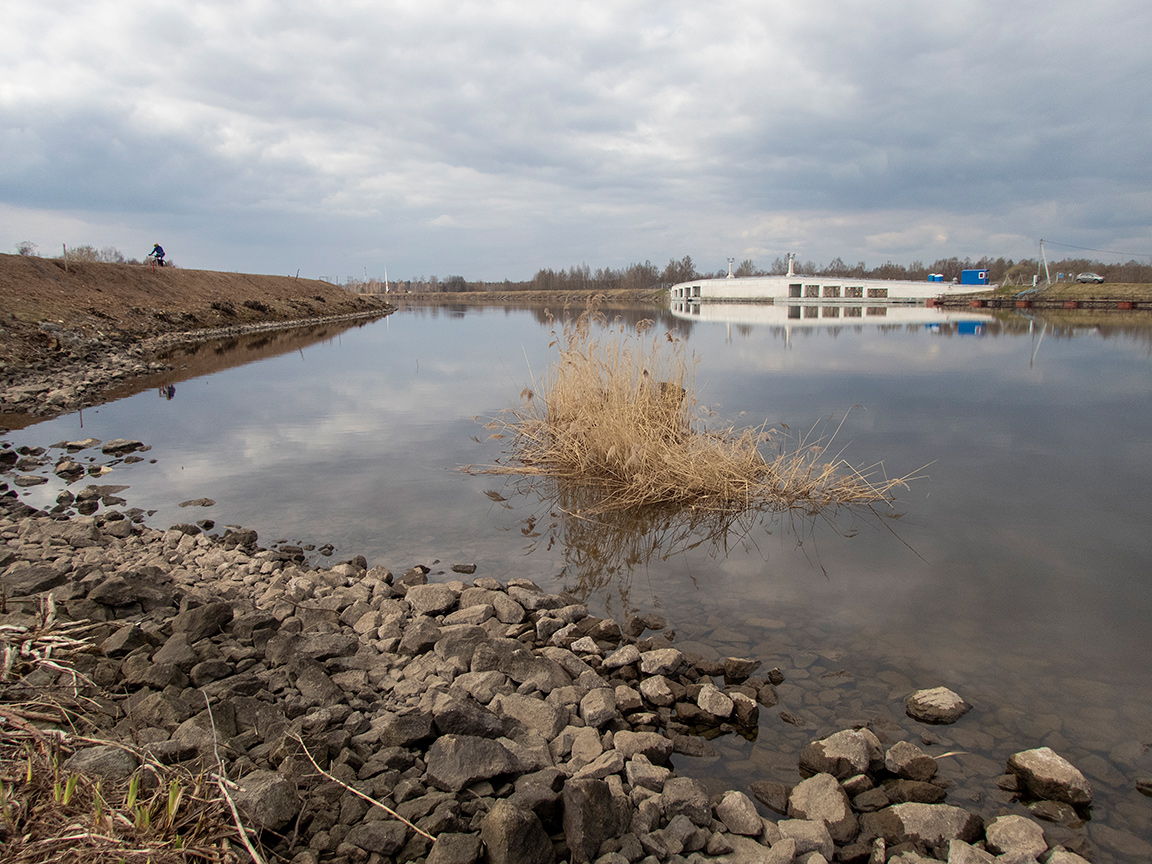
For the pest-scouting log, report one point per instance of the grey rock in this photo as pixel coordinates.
(739, 668)
(431, 599)
(657, 691)
(114, 591)
(739, 814)
(607, 763)
(684, 795)
(202, 621)
(821, 799)
(641, 772)
(1060, 855)
(465, 717)
(267, 799)
(123, 642)
(384, 837)
(21, 581)
(120, 446)
(622, 656)
(315, 685)
(590, 817)
(714, 702)
(456, 848)
(906, 760)
(523, 667)
(535, 714)
(598, 707)
(937, 705)
(1050, 776)
(481, 686)
(103, 760)
(454, 761)
(664, 661)
(931, 824)
(177, 651)
(407, 728)
(656, 747)
(808, 837)
(843, 754)
(1016, 837)
(960, 852)
(513, 835)
(771, 794)
(420, 635)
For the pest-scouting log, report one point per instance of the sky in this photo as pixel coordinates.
(492, 139)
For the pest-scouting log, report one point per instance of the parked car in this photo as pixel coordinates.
(1090, 277)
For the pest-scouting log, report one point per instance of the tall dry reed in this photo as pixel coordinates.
(616, 414)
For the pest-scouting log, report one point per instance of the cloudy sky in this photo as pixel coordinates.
(490, 139)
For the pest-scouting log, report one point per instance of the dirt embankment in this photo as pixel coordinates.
(58, 319)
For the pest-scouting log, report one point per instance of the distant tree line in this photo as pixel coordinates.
(581, 277)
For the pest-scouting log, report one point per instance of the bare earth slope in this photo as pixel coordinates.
(57, 320)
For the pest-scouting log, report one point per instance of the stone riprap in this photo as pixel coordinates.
(506, 721)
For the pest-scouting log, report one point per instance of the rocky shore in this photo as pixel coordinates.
(366, 716)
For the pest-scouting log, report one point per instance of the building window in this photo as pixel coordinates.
(853, 291)
(831, 290)
(830, 312)
(853, 311)
(877, 292)
(877, 310)
(794, 289)
(811, 311)
(812, 291)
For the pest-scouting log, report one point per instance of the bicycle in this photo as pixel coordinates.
(155, 261)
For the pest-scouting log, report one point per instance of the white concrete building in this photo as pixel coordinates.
(816, 289)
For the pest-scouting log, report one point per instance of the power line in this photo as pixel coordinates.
(1104, 251)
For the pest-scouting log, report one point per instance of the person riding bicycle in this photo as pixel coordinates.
(157, 253)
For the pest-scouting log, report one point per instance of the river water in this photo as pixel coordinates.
(1017, 570)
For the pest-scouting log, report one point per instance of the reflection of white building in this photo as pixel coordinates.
(828, 315)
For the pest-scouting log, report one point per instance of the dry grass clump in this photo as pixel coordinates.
(48, 813)
(617, 413)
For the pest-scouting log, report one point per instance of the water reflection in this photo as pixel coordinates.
(1018, 575)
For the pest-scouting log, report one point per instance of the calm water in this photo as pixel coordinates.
(1018, 573)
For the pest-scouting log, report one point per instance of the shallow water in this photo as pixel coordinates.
(1018, 573)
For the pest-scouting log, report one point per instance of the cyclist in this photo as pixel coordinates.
(157, 253)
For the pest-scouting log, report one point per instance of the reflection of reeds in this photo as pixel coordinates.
(616, 416)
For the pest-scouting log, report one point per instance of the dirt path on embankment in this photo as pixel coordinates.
(70, 332)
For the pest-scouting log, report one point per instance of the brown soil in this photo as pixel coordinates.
(63, 325)
(42, 297)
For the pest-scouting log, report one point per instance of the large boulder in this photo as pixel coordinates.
(821, 799)
(590, 817)
(843, 754)
(739, 814)
(514, 835)
(267, 799)
(454, 761)
(1015, 837)
(937, 705)
(1048, 775)
(933, 825)
(908, 761)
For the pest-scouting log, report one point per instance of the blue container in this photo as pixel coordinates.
(973, 277)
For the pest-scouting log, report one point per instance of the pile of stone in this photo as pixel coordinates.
(508, 723)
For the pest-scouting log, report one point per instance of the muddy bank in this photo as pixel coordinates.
(498, 721)
(69, 333)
